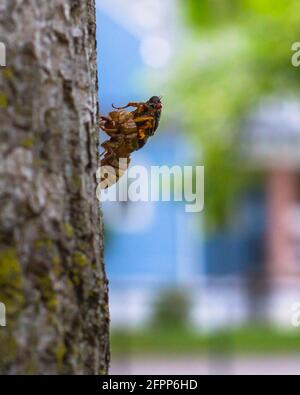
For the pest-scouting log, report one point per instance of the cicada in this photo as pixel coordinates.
(128, 132)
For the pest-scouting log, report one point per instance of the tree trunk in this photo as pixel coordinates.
(52, 278)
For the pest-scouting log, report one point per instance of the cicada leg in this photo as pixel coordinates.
(130, 104)
(108, 149)
(145, 118)
(107, 125)
(148, 122)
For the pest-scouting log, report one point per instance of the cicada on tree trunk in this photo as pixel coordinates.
(128, 132)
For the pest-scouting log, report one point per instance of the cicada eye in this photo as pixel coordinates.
(155, 102)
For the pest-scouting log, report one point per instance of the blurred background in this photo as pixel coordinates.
(212, 292)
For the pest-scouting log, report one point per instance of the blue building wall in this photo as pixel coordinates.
(159, 242)
(145, 241)
(167, 250)
(241, 249)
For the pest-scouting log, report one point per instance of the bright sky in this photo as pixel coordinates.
(153, 22)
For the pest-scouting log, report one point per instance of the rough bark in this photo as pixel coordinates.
(52, 277)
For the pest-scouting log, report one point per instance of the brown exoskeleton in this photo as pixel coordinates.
(128, 131)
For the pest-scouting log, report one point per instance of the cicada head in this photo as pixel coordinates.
(155, 103)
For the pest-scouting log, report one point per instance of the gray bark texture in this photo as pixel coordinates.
(52, 278)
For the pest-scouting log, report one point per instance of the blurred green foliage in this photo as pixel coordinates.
(171, 310)
(236, 52)
(245, 340)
